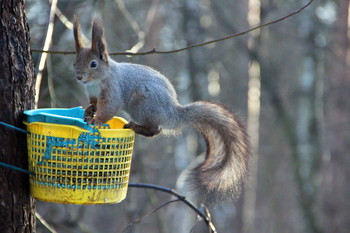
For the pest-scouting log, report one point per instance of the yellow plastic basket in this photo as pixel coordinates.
(73, 165)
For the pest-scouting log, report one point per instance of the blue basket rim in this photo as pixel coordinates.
(64, 116)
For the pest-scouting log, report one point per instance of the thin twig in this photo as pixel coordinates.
(155, 51)
(134, 26)
(50, 82)
(45, 224)
(64, 19)
(47, 43)
(206, 218)
(148, 213)
(132, 22)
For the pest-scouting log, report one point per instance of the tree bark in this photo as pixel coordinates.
(17, 92)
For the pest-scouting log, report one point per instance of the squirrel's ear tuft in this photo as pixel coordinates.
(79, 40)
(98, 43)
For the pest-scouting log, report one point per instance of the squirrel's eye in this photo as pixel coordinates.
(93, 64)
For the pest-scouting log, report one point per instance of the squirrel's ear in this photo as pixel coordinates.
(98, 43)
(79, 40)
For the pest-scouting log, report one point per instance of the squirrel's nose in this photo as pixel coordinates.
(79, 77)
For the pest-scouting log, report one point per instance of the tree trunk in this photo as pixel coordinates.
(17, 93)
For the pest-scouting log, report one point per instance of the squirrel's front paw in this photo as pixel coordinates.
(90, 111)
(92, 121)
(89, 114)
(89, 120)
(97, 121)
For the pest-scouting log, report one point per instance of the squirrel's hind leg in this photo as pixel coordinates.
(147, 131)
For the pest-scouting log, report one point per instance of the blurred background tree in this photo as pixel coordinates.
(289, 82)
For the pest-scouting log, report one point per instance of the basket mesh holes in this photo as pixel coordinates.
(100, 167)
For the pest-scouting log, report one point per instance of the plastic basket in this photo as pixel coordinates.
(75, 165)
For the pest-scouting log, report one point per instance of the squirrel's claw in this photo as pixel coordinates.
(89, 114)
(89, 120)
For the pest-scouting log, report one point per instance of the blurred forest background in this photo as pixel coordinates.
(289, 83)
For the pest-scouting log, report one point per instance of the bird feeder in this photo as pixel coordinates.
(77, 163)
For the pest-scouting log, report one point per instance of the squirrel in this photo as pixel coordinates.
(152, 103)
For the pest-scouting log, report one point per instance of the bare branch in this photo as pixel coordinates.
(132, 223)
(47, 43)
(50, 82)
(132, 22)
(205, 216)
(134, 26)
(63, 19)
(52, 51)
(48, 227)
(155, 51)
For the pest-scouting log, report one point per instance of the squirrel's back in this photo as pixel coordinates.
(148, 96)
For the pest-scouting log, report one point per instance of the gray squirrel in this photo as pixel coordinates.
(151, 101)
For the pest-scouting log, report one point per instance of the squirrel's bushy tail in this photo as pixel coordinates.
(221, 173)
